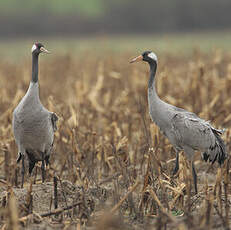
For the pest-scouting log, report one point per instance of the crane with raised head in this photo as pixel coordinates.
(33, 124)
(185, 130)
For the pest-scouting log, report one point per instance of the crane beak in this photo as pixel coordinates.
(43, 50)
(136, 59)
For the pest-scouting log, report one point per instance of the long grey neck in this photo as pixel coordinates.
(34, 68)
(151, 82)
(158, 109)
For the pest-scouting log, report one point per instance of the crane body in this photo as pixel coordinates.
(185, 130)
(33, 124)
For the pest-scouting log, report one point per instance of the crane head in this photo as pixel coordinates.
(147, 56)
(38, 48)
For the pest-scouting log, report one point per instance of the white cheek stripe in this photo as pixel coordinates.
(34, 47)
(153, 56)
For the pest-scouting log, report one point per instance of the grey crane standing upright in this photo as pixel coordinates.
(33, 124)
(185, 130)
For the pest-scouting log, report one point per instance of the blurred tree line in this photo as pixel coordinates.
(76, 17)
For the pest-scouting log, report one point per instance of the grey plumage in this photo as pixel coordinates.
(185, 130)
(197, 134)
(33, 124)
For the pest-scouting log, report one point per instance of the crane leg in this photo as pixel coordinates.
(32, 161)
(47, 160)
(176, 164)
(43, 167)
(31, 166)
(194, 177)
(23, 169)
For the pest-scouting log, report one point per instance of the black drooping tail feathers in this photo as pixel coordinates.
(218, 151)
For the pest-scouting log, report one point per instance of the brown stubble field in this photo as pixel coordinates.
(113, 166)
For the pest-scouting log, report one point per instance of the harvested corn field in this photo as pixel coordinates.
(111, 168)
